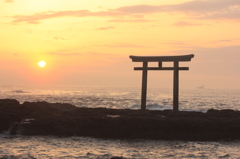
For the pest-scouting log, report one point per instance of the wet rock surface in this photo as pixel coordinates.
(42, 118)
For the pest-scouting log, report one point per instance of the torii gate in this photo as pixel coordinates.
(160, 59)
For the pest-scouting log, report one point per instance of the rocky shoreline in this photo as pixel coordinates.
(42, 118)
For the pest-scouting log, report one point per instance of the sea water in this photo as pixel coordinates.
(18, 146)
(124, 98)
(83, 147)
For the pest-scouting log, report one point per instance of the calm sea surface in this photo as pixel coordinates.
(81, 147)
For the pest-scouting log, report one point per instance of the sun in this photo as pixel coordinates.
(41, 63)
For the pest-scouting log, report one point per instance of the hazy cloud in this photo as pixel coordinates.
(36, 18)
(216, 51)
(222, 41)
(209, 9)
(236, 40)
(8, 1)
(64, 54)
(76, 53)
(200, 9)
(196, 6)
(142, 9)
(184, 23)
(123, 45)
(130, 20)
(105, 28)
(178, 44)
(55, 38)
(58, 38)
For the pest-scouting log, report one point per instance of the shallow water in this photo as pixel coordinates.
(82, 147)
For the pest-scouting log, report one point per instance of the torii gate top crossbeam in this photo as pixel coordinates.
(161, 58)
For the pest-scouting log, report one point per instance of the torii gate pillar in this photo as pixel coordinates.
(160, 59)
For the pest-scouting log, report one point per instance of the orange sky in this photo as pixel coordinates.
(88, 43)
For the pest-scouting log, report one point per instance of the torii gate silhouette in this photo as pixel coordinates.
(160, 59)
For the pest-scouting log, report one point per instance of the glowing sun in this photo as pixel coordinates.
(41, 63)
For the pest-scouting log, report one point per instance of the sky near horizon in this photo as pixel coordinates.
(88, 43)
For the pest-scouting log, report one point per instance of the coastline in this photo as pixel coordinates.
(42, 118)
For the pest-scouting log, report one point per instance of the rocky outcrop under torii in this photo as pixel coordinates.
(42, 118)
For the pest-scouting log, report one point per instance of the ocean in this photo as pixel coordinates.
(124, 98)
(17, 146)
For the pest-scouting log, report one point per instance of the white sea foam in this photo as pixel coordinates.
(157, 107)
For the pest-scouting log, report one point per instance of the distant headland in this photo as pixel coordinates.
(42, 118)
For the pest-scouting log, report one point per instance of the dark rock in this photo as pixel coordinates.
(8, 102)
(223, 113)
(116, 157)
(67, 120)
(48, 108)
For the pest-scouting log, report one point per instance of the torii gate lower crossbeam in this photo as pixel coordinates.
(160, 59)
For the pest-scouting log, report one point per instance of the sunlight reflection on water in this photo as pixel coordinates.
(82, 147)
